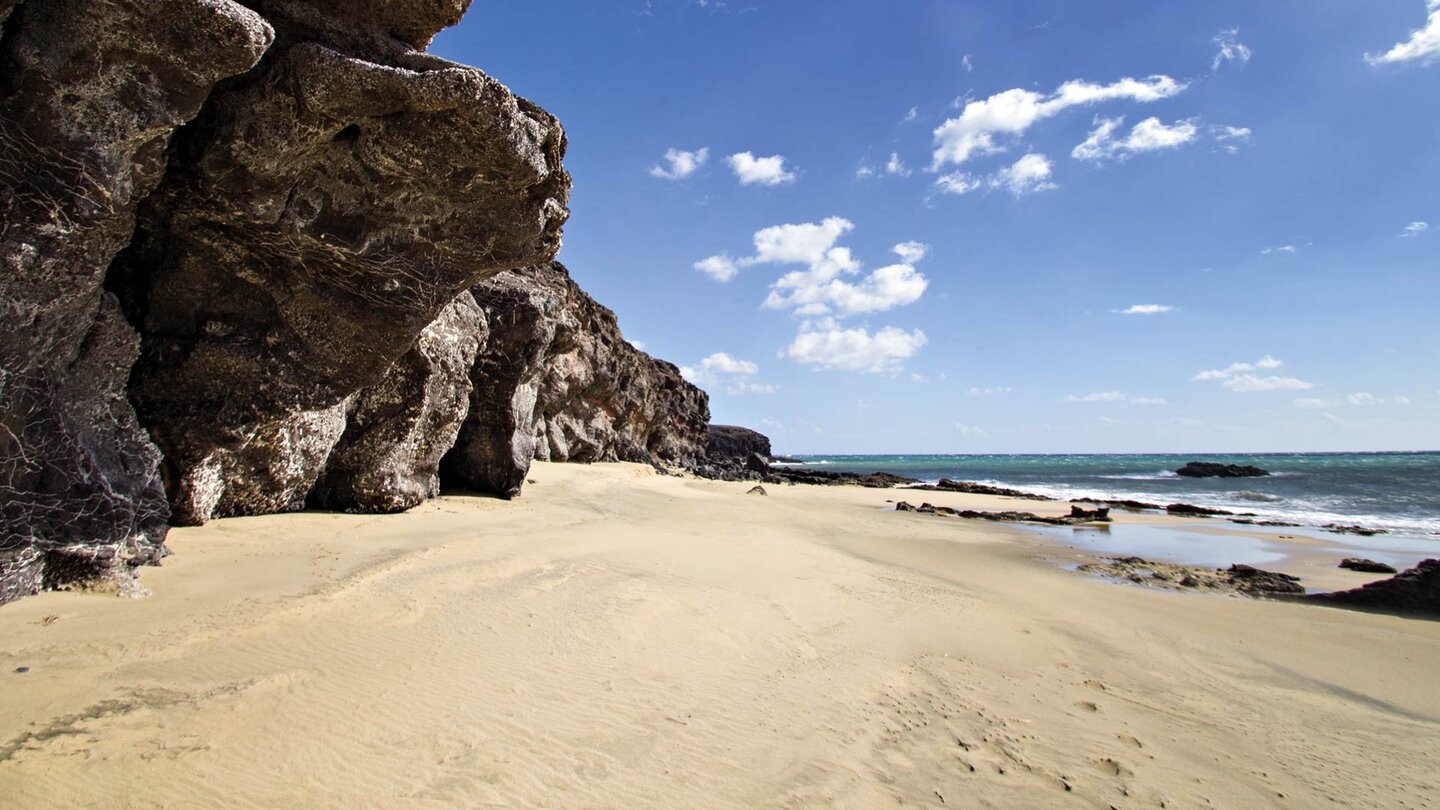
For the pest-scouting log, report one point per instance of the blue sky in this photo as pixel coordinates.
(953, 226)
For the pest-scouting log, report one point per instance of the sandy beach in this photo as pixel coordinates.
(618, 638)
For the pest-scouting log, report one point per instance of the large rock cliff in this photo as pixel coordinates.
(237, 242)
(559, 382)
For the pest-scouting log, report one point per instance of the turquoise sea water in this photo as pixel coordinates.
(1395, 491)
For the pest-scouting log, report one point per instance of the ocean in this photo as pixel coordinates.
(1399, 492)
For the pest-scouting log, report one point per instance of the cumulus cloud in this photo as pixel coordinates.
(1147, 136)
(1028, 175)
(720, 268)
(896, 166)
(1146, 309)
(983, 126)
(764, 171)
(1241, 377)
(1113, 397)
(822, 286)
(679, 164)
(912, 252)
(1423, 44)
(826, 345)
(1415, 229)
(1231, 49)
(722, 370)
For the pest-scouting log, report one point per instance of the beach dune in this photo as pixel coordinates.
(618, 638)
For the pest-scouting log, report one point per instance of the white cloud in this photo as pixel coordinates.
(967, 63)
(1230, 138)
(830, 347)
(720, 268)
(1360, 399)
(1231, 49)
(895, 166)
(765, 171)
(1315, 404)
(1281, 249)
(1146, 309)
(720, 369)
(638, 344)
(1240, 377)
(1251, 383)
(680, 164)
(971, 432)
(1415, 229)
(911, 115)
(912, 252)
(864, 172)
(1423, 44)
(1147, 136)
(1029, 175)
(1113, 397)
(982, 124)
(820, 288)
(958, 183)
(994, 391)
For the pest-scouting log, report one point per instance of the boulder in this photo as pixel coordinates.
(1190, 510)
(1416, 590)
(1254, 581)
(1367, 566)
(90, 95)
(1206, 469)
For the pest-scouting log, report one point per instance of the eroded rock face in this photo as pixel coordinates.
(559, 382)
(1414, 591)
(398, 430)
(729, 441)
(90, 94)
(314, 220)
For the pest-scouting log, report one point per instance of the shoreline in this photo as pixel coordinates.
(617, 637)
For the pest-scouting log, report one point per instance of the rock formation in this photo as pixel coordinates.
(1206, 469)
(314, 220)
(560, 383)
(1414, 591)
(90, 94)
(729, 441)
(397, 431)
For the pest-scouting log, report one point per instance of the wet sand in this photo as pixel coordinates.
(621, 639)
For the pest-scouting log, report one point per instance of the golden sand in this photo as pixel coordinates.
(621, 639)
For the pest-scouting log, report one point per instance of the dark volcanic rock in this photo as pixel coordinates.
(1205, 469)
(1076, 517)
(946, 485)
(1367, 566)
(1335, 528)
(729, 441)
(1133, 506)
(1186, 509)
(1251, 580)
(1416, 590)
(558, 382)
(90, 94)
(397, 431)
(313, 222)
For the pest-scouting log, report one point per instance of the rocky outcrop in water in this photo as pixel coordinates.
(971, 488)
(560, 383)
(1206, 469)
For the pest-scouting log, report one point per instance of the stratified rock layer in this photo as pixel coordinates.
(90, 94)
(559, 382)
(315, 219)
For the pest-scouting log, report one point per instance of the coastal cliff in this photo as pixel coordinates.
(264, 255)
